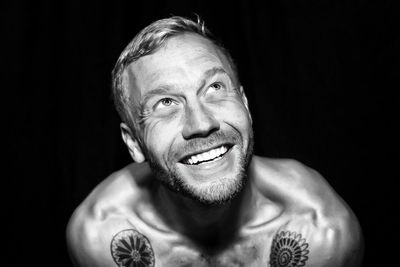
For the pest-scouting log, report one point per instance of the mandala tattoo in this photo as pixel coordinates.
(288, 249)
(129, 248)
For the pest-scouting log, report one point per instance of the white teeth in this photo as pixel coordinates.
(213, 153)
(207, 156)
(201, 157)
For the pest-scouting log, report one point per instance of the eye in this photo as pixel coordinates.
(216, 86)
(165, 102)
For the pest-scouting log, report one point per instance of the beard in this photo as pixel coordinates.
(217, 192)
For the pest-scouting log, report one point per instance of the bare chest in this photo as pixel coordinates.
(250, 251)
(261, 248)
(240, 254)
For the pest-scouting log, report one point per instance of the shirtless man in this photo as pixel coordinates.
(196, 196)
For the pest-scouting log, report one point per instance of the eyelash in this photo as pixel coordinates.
(217, 83)
(170, 100)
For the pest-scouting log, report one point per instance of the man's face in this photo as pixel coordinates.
(192, 118)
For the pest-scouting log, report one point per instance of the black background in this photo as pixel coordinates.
(321, 78)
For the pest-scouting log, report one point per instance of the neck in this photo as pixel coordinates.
(209, 225)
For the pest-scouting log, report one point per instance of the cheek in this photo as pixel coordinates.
(235, 114)
(159, 136)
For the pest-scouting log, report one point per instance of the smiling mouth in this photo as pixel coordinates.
(210, 155)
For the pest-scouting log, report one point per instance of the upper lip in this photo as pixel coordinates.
(187, 156)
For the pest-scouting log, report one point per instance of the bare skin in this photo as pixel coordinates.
(192, 120)
(285, 196)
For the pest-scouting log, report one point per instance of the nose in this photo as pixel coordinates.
(199, 122)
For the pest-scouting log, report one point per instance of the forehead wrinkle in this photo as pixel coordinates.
(203, 55)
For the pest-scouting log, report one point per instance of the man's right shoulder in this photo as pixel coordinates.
(108, 209)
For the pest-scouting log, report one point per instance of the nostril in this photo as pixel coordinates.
(199, 123)
(199, 133)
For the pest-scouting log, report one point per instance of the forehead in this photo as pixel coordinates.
(182, 59)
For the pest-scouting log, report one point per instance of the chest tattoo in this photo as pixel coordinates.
(129, 248)
(288, 249)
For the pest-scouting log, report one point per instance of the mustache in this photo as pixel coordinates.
(201, 144)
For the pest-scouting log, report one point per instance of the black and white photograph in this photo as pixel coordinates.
(201, 133)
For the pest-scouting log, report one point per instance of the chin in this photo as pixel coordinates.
(216, 192)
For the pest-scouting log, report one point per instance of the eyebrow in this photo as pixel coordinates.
(166, 89)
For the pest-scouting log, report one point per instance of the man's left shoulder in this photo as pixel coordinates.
(294, 184)
(320, 227)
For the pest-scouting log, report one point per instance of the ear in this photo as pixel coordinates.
(245, 102)
(132, 143)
